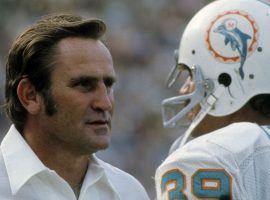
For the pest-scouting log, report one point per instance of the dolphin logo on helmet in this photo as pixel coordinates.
(236, 38)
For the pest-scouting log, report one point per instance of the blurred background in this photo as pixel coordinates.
(142, 36)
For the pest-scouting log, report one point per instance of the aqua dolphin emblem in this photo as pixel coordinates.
(236, 38)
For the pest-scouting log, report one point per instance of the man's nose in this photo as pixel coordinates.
(188, 87)
(103, 99)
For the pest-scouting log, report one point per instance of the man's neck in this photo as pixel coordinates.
(70, 165)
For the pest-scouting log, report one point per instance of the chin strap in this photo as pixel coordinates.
(203, 112)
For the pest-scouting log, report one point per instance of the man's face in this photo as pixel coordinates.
(209, 123)
(81, 88)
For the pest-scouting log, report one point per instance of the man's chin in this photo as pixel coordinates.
(102, 142)
(97, 138)
(94, 147)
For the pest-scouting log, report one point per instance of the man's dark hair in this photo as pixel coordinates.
(32, 56)
(261, 103)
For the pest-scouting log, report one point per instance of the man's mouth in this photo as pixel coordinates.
(98, 123)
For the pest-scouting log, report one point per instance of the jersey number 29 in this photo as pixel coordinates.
(205, 183)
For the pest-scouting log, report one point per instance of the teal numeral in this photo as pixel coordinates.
(212, 183)
(173, 182)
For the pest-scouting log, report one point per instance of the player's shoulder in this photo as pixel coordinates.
(123, 182)
(236, 137)
(232, 143)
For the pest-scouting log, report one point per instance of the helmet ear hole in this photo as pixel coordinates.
(225, 79)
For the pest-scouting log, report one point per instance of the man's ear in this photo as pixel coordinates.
(29, 97)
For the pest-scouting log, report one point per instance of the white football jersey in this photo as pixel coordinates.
(230, 163)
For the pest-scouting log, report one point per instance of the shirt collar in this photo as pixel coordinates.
(97, 172)
(20, 160)
(94, 172)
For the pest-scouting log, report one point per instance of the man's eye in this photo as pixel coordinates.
(84, 84)
(88, 85)
(109, 82)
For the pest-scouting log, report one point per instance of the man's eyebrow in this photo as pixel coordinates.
(93, 79)
(78, 79)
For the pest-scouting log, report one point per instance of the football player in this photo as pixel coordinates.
(225, 152)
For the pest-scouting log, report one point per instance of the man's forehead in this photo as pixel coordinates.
(67, 45)
(93, 59)
(80, 49)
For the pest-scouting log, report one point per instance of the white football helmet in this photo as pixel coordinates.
(226, 48)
